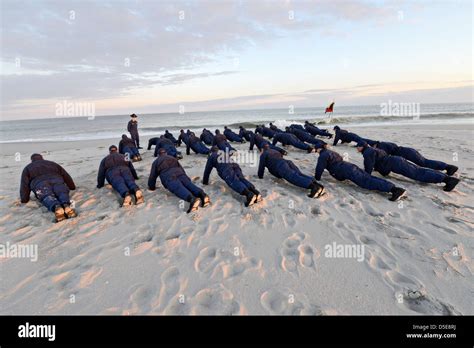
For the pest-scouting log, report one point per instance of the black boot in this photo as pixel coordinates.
(450, 183)
(251, 197)
(397, 193)
(450, 169)
(316, 190)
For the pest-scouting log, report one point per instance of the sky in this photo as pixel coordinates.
(157, 56)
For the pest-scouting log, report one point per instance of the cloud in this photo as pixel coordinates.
(98, 50)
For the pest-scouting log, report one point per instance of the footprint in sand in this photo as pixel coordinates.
(295, 253)
(215, 301)
(278, 302)
(170, 286)
(425, 304)
(206, 260)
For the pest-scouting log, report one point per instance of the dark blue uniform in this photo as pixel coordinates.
(167, 144)
(411, 155)
(265, 131)
(306, 137)
(171, 137)
(376, 159)
(119, 173)
(207, 137)
(127, 145)
(173, 177)
(346, 137)
(313, 130)
(49, 182)
(221, 142)
(290, 139)
(245, 134)
(342, 170)
(196, 145)
(230, 135)
(275, 128)
(260, 142)
(229, 172)
(281, 168)
(132, 128)
(297, 126)
(183, 138)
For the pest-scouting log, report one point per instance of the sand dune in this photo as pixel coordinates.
(228, 259)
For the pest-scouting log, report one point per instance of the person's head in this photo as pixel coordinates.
(36, 157)
(361, 146)
(166, 131)
(240, 127)
(133, 116)
(266, 147)
(287, 129)
(124, 136)
(271, 124)
(306, 122)
(225, 127)
(336, 128)
(161, 152)
(112, 149)
(218, 131)
(204, 130)
(181, 131)
(192, 133)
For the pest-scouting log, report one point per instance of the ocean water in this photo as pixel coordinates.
(112, 127)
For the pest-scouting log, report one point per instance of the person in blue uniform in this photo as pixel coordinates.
(171, 137)
(378, 160)
(195, 144)
(345, 136)
(121, 174)
(221, 142)
(50, 184)
(132, 128)
(291, 139)
(342, 170)
(232, 174)
(245, 134)
(265, 131)
(127, 146)
(414, 156)
(314, 130)
(304, 136)
(259, 141)
(174, 179)
(207, 137)
(286, 169)
(167, 144)
(230, 135)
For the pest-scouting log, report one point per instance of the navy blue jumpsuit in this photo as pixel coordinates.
(259, 141)
(119, 173)
(289, 139)
(221, 142)
(207, 137)
(230, 135)
(196, 145)
(49, 182)
(127, 145)
(313, 130)
(342, 170)
(282, 168)
(306, 137)
(411, 155)
(376, 159)
(173, 177)
(132, 128)
(346, 137)
(230, 172)
(167, 144)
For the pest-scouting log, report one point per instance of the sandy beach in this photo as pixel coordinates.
(229, 259)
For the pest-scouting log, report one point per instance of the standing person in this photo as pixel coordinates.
(121, 174)
(174, 179)
(286, 169)
(132, 128)
(376, 159)
(232, 174)
(50, 184)
(342, 170)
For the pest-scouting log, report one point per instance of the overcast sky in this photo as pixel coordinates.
(153, 56)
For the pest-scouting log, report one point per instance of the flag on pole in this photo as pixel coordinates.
(330, 108)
